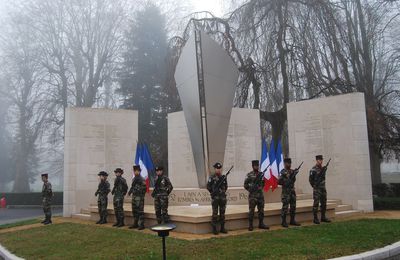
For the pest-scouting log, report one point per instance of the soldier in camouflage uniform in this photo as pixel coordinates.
(254, 184)
(47, 195)
(317, 181)
(162, 189)
(218, 198)
(119, 191)
(287, 178)
(102, 199)
(138, 190)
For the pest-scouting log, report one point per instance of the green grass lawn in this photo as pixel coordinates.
(77, 241)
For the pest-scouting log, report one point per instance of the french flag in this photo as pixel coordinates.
(279, 157)
(143, 159)
(273, 169)
(264, 164)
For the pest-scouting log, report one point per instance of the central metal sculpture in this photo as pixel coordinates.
(206, 77)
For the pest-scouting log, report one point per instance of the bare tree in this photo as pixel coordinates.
(291, 50)
(22, 74)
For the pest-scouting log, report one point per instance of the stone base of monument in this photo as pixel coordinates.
(235, 196)
(196, 219)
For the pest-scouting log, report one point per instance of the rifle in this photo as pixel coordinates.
(219, 183)
(323, 173)
(296, 171)
(326, 167)
(260, 177)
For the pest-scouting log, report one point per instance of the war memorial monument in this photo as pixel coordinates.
(210, 130)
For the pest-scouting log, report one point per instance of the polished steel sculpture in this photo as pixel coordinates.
(206, 77)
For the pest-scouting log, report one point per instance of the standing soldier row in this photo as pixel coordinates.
(217, 186)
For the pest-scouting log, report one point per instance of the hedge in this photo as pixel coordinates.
(387, 203)
(30, 198)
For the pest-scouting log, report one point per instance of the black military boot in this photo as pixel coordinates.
(325, 219)
(223, 230)
(141, 227)
(48, 221)
(104, 220)
(261, 225)
(118, 220)
(135, 224)
(251, 225)
(316, 220)
(44, 220)
(100, 220)
(121, 222)
(214, 229)
(284, 224)
(293, 220)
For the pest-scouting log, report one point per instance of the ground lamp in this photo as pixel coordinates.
(163, 231)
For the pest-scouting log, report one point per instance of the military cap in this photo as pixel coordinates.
(102, 173)
(255, 163)
(136, 168)
(287, 160)
(119, 170)
(159, 168)
(319, 157)
(45, 175)
(217, 165)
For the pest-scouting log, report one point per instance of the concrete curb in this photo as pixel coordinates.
(388, 252)
(6, 255)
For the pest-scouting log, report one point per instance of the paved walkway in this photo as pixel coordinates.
(12, 215)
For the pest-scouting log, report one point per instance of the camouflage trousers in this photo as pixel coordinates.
(118, 202)
(218, 202)
(319, 196)
(138, 209)
(256, 199)
(102, 203)
(161, 208)
(46, 203)
(288, 198)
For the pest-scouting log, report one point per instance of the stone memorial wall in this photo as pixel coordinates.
(95, 140)
(337, 128)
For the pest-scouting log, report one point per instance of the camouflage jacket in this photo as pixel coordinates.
(212, 183)
(317, 177)
(138, 187)
(103, 189)
(120, 187)
(287, 178)
(47, 192)
(162, 187)
(253, 183)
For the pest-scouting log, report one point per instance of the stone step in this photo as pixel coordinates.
(347, 213)
(304, 196)
(81, 216)
(343, 207)
(85, 211)
(338, 202)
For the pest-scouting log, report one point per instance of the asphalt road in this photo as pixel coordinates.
(12, 215)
